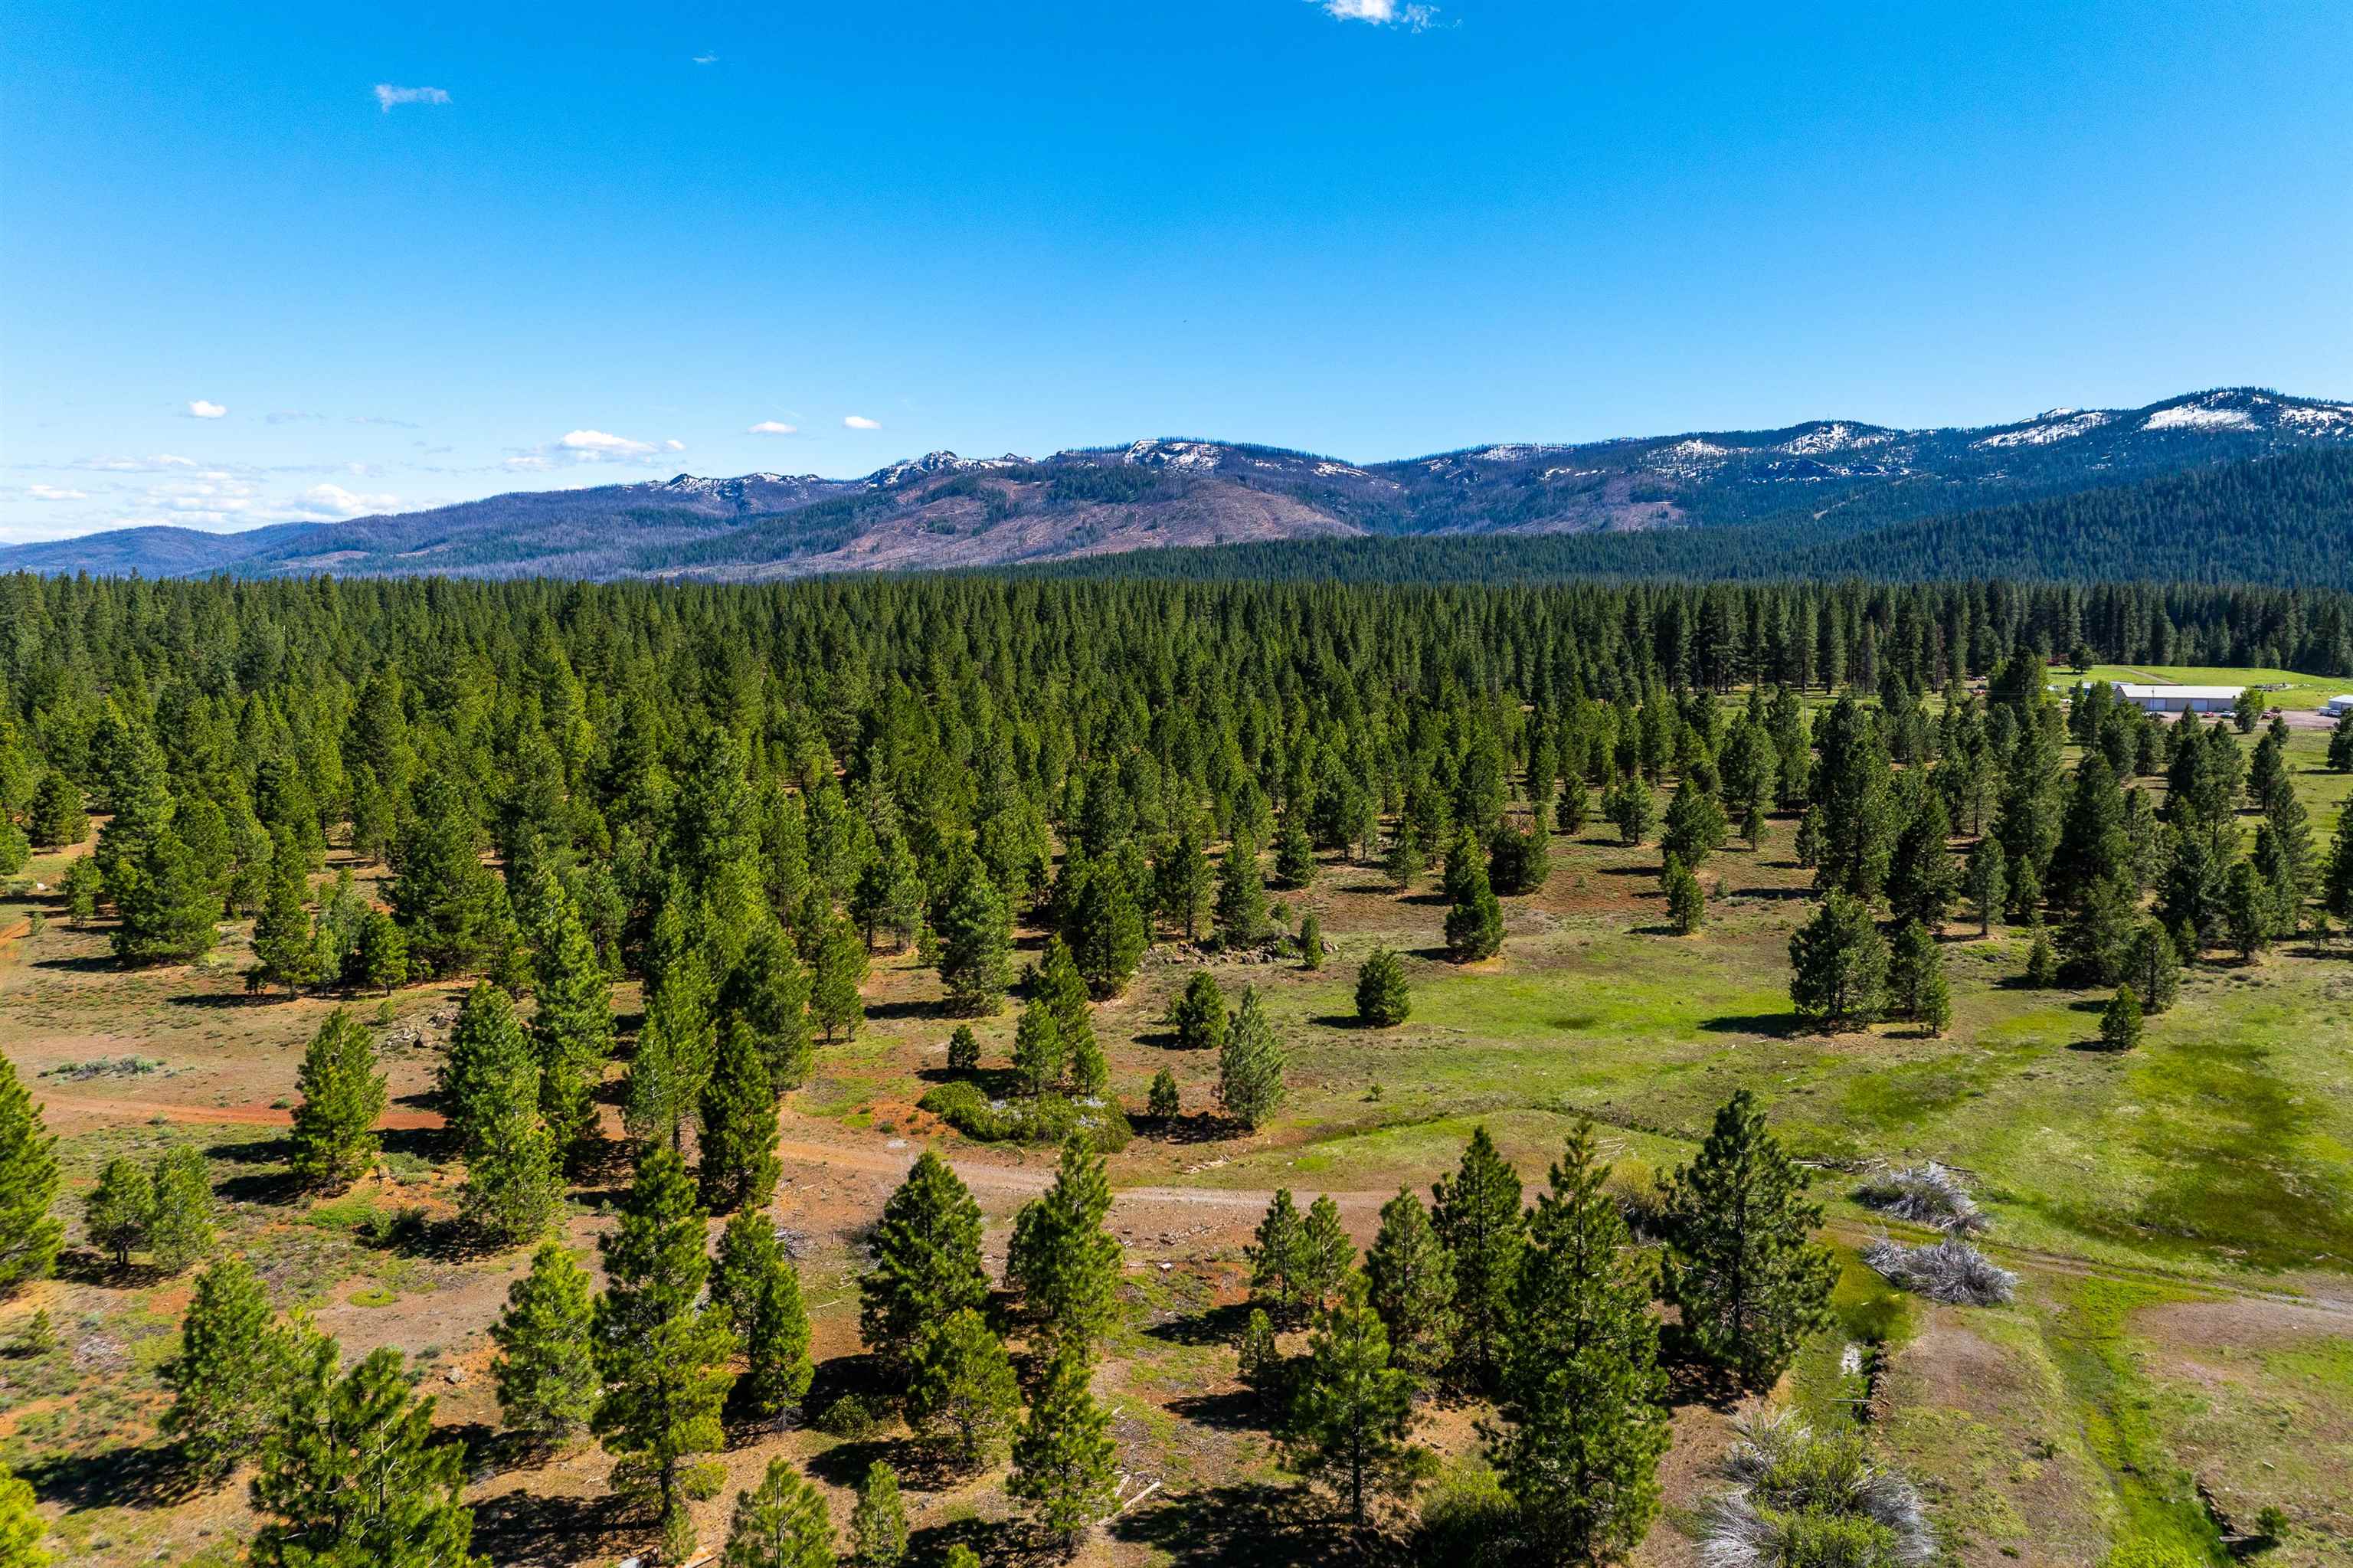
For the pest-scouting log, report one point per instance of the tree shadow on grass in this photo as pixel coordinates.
(1774, 1026)
(1235, 1410)
(921, 1466)
(1787, 894)
(156, 1476)
(1248, 1523)
(1211, 1326)
(83, 964)
(534, 1531)
(907, 1007)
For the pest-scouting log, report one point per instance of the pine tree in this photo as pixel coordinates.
(926, 1250)
(353, 1473)
(1631, 809)
(1409, 1280)
(571, 1030)
(1250, 1065)
(781, 1523)
(2337, 887)
(333, 1137)
(2042, 960)
(1065, 1265)
(56, 819)
(29, 1234)
(1695, 826)
(1276, 1255)
(1352, 1412)
(961, 1392)
(1921, 878)
(2153, 967)
(1739, 1264)
(839, 971)
(1108, 931)
(1584, 1398)
(677, 1049)
(1915, 973)
(1477, 1216)
(1199, 1017)
(1839, 964)
(1182, 882)
(1294, 853)
(1383, 1001)
(545, 1372)
(22, 1528)
(1686, 899)
(878, 1525)
(888, 897)
(1162, 1103)
(1240, 909)
(1326, 1255)
(2340, 745)
(281, 932)
(119, 1208)
(1310, 941)
(756, 1284)
(662, 1360)
(738, 1147)
(164, 908)
(768, 990)
(1064, 1462)
(491, 1081)
(1258, 1361)
(964, 1050)
(1038, 1057)
(384, 952)
(1985, 880)
(2247, 910)
(2120, 1025)
(1475, 926)
(223, 1379)
(180, 1230)
(975, 943)
(443, 896)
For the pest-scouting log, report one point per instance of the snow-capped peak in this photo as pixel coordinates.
(1153, 453)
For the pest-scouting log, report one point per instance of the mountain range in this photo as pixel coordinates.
(1815, 487)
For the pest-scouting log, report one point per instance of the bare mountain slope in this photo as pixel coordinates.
(1822, 481)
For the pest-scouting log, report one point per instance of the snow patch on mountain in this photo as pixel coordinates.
(1199, 456)
(1836, 437)
(1517, 452)
(2322, 421)
(2198, 416)
(2055, 425)
(938, 462)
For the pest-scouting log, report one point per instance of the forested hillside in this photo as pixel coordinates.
(2285, 520)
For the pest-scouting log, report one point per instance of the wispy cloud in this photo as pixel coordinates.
(674, 444)
(706, 59)
(161, 462)
(385, 420)
(1381, 12)
(860, 422)
(334, 500)
(594, 446)
(52, 493)
(388, 97)
(773, 428)
(202, 409)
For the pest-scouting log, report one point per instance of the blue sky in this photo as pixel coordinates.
(237, 285)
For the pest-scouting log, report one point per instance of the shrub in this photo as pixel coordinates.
(1049, 1118)
(851, 1418)
(1799, 1499)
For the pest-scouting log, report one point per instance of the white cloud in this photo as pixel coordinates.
(1381, 12)
(202, 409)
(860, 422)
(531, 462)
(593, 446)
(388, 96)
(674, 444)
(773, 428)
(159, 462)
(706, 59)
(334, 500)
(51, 493)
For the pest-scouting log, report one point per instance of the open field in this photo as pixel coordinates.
(2183, 1217)
(2295, 694)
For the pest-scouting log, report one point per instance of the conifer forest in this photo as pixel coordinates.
(1140, 1068)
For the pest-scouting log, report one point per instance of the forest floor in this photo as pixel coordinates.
(2181, 1353)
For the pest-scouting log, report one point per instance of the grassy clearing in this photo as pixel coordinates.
(2304, 693)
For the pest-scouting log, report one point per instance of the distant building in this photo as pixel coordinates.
(2338, 706)
(2180, 699)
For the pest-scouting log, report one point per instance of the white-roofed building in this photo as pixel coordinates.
(2180, 699)
(2338, 706)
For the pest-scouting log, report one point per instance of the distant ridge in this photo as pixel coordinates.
(1809, 490)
